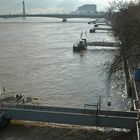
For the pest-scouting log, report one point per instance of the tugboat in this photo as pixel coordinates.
(82, 45)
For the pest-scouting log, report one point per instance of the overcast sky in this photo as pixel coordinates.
(66, 5)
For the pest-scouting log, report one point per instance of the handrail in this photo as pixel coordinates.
(133, 82)
(89, 105)
(98, 107)
(129, 72)
(8, 94)
(134, 105)
(135, 90)
(138, 133)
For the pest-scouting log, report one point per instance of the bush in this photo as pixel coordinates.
(125, 19)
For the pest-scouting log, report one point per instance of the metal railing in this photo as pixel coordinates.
(98, 107)
(138, 130)
(135, 98)
(135, 93)
(13, 106)
(5, 95)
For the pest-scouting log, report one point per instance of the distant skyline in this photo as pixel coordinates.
(41, 6)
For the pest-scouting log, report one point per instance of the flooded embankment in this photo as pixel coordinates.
(36, 59)
(21, 130)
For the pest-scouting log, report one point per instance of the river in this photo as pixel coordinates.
(36, 59)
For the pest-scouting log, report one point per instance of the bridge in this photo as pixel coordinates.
(62, 16)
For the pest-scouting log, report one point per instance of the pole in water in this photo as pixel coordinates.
(3, 89)
(109, 104)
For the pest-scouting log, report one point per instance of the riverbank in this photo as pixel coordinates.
(60, 132)
(126, 27)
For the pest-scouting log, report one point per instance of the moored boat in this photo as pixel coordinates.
(92, 30)
(82, 45)
(96, 25)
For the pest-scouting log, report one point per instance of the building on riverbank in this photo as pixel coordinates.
(86, 9)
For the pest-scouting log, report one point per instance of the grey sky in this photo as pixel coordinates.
(66, 5)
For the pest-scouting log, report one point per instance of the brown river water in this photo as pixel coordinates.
(36, 59)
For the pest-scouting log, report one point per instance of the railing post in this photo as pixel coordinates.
(98, 109)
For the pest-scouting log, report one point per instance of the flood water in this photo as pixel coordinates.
(36, 59)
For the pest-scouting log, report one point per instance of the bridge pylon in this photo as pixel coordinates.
(23, 8)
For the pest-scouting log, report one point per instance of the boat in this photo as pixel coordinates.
(93, 22)
(64, 20)
(96, 25)
(82, 45)
(92, 30)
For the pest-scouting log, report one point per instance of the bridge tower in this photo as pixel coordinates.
(23, 8)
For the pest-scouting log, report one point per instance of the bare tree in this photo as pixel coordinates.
(125, 19)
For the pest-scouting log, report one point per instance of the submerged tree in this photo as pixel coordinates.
(125, 19)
